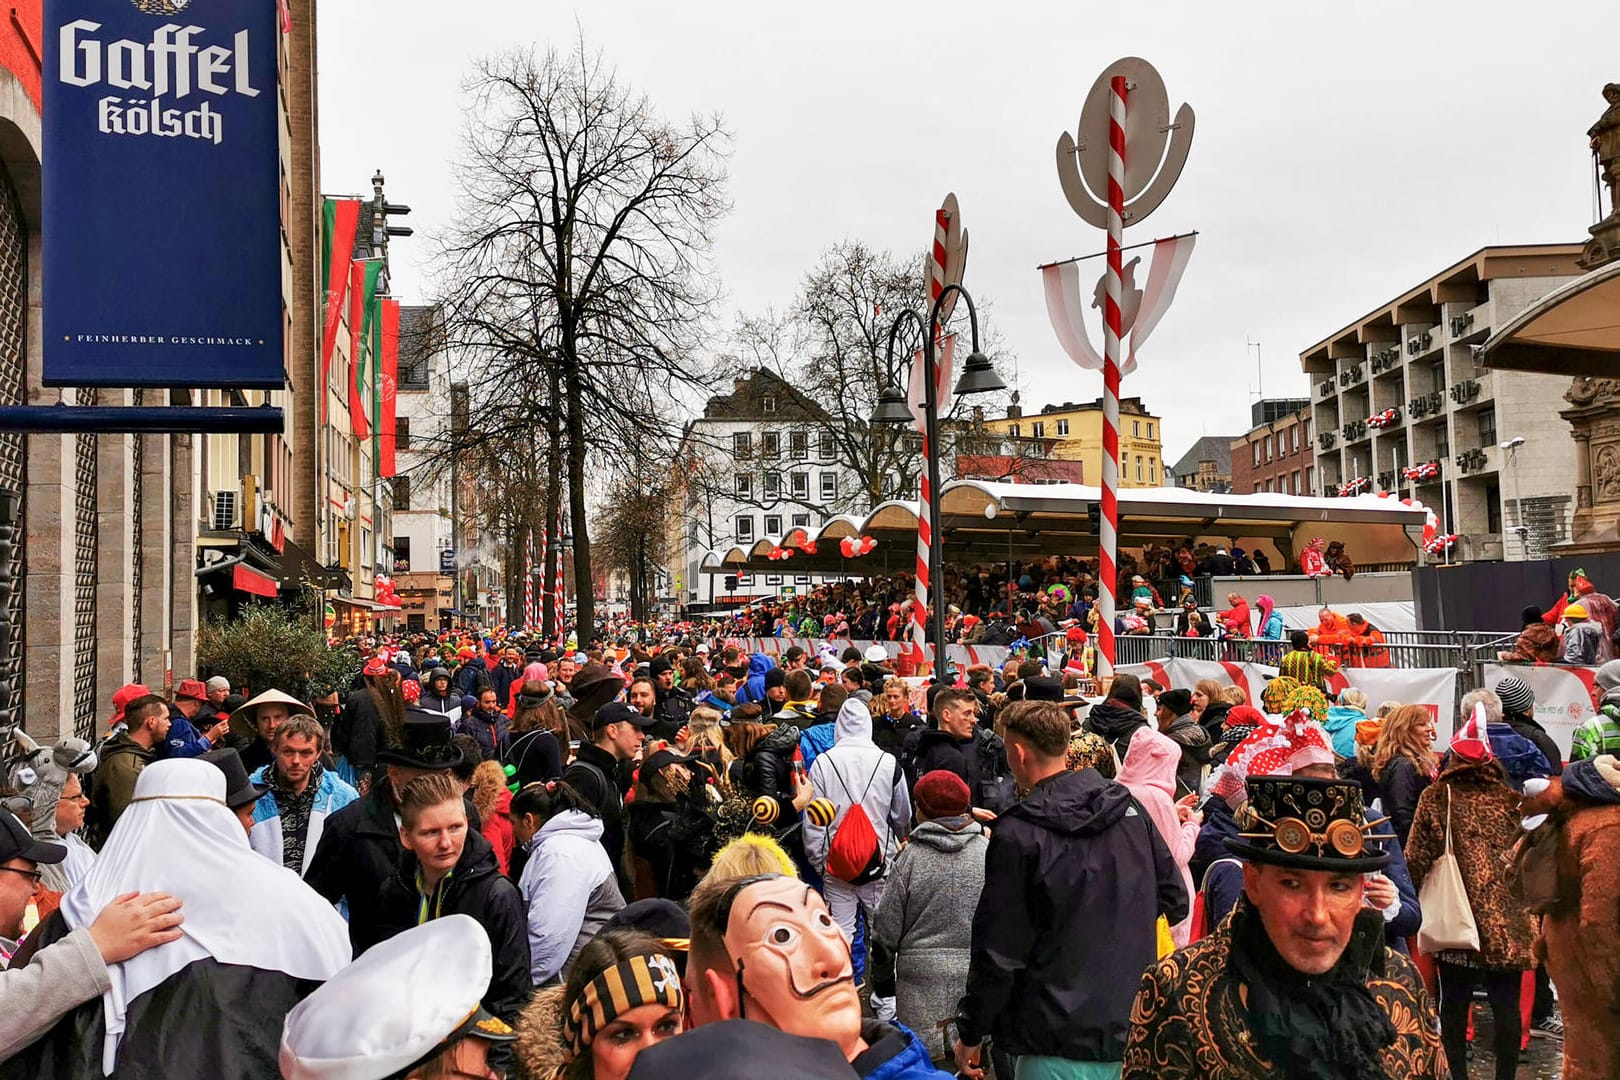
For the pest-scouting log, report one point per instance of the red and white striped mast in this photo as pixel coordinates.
(1124, 128)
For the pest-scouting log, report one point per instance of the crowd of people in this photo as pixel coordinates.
(661, 855)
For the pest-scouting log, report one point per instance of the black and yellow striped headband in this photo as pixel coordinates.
(640, 980)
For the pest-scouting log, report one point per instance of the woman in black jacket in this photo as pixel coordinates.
(1403, 764)
(424, 887)
(535, 751)
(369, 715)
(668, 826)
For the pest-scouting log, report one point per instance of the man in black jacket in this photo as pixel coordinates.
(447, 868)
(360, 847)
(674, 705)
(1075, 877)
(599, 774)
(960, 746)
(1118, 716)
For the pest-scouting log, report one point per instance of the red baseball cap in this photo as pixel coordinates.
(193, 689)
(123, 696)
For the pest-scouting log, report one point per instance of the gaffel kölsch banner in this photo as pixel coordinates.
(162, 202)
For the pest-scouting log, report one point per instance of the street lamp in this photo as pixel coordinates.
(1512, 447)
(978, 377)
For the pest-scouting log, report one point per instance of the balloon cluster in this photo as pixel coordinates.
(385, 594)
(1434, 541)
(1438, 545)
(778, 554)
(853, 546)
(1387, 418)
(1356, 486)
(1427, 470)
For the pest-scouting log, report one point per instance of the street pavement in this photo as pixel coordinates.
(1542, 1061)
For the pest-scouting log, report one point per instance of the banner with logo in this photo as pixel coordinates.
(161, 202)
(1566, 697)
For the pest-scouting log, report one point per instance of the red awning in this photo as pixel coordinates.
(247, 580)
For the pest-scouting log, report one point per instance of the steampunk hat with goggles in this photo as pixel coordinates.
(1308, 824)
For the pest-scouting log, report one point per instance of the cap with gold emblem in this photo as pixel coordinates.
(400, 1003)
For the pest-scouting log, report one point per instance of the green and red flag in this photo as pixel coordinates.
(363, 275)
(340, 221)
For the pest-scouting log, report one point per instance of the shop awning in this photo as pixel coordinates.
(246, 579)
(1573, 330)
(363, 605)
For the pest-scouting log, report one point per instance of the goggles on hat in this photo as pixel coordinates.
(1294, 836)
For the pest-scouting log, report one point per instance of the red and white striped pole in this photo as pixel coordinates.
(925, 521)
(1109, 527)
(562, 603)
(528, 581)
(545, 594)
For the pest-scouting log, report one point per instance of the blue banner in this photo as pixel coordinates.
(162, 194)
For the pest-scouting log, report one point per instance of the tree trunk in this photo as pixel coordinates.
(551, 625)
(584, 587)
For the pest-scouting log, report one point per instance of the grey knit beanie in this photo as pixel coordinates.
(1516, 696)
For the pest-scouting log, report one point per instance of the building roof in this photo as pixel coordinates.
(1131, 406)
(1216, 448)
(747, 398)
(1457, 283)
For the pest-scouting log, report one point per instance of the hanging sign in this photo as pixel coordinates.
(162, 196)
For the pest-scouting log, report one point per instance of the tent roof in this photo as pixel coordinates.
(1573, 330)
(987, 521)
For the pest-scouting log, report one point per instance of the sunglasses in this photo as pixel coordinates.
(1294, 836)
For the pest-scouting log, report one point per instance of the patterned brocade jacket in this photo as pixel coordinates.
(1190, 1019)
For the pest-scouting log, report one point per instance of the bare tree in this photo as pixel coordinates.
(576, 279)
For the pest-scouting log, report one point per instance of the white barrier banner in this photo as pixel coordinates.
(1435, 688)
(1566, 697)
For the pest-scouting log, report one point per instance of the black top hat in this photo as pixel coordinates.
(426, 743)
(239, 790)
(1308, 824)
(1047, 688)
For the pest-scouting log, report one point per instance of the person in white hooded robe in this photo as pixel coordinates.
(256, 940)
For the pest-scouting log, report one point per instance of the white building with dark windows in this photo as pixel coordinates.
(757, 464)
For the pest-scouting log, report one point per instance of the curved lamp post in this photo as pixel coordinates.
(978, 377)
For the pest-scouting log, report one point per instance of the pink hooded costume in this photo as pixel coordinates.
(1150, 774)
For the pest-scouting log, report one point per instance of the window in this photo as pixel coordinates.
(800, 485)
(1038, 429)
(1138, 468)
(402, 433)
(1257, 487)
(801, 521)
(1153, 464)
(1257, 454)
(1296, 482)
(1062, 427)
(767, 405)
(1012, 430)
(742, 444)
(1442, 444)
(413, 369)
(1271, 446)
(365, 547)
(1487, 425)
(1310, 476)
(829, 487)
(402, 493)
(773, 525)
(829, 445)
(1293, 438)
(744, 486)
(402, 553)
(773, 485)
(1493, 507)
(800, 441)
(1268, 484)
(1136, 428)
(770, 443)
(745, 528)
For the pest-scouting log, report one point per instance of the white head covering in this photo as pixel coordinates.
(392, 1006)
(240, 908)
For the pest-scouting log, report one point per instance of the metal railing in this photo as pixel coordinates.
(1463, 650)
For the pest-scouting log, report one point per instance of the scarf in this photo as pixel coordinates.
(1327, 1027)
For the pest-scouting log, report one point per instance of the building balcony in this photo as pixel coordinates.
(1326, 387)
(1472, 461)
(1386, 360)
(1352, 375)
(1466, 391)
(1327, 440)
(1355, 430)
(1427, 406)
(1421, 341)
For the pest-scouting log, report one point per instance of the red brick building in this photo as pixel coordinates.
(1276, 454)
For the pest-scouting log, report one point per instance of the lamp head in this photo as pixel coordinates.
(891, 407)
(979, 376)
(1512, 444)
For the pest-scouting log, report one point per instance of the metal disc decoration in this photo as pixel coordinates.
(1126, 156)
(1147, 126)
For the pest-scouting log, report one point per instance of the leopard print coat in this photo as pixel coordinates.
(1484, 825)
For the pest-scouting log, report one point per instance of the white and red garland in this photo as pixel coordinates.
(1385, 419)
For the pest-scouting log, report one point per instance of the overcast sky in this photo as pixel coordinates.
(1343, 152)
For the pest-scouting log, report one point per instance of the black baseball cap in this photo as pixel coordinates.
(617, 712)
(16, 842)
(736, 1049)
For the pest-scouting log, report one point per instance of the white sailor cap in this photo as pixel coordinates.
(394, 1006)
